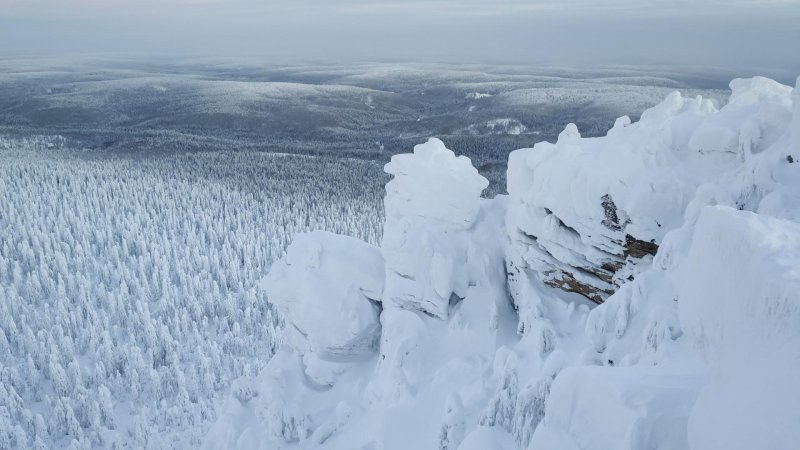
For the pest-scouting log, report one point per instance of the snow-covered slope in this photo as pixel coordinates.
(682, 226)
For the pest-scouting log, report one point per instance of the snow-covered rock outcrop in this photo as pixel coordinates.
(715, 312)
(584, 213)
(735, 286)
(685, 226)
(641, 317)
(437, 322)
(326, 278)
(431, 203)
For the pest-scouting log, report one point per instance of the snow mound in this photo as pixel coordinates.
(487, 438)
(431, 203)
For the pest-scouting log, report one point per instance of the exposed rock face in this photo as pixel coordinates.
(635, 248)
(561, 246)
(567, 282)
(610, 209)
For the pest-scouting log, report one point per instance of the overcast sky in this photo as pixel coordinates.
(733, 33)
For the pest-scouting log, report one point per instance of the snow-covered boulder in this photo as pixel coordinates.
(431, 203)
(740, 304)
(710, 262)
(326, 288)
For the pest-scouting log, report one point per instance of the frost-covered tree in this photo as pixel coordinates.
(129, 285)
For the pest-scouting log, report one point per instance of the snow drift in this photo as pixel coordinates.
(683, 227)
(744, 317)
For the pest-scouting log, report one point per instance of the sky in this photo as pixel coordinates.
(732, 33)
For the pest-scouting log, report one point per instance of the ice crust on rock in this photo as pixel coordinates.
(685, 224)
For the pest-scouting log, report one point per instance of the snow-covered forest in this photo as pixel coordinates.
(127, 285)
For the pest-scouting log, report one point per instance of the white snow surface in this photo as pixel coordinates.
(432, 168)
(426, 238)
(745, 319)
(638, 408)
(695, 347)
(328, 278)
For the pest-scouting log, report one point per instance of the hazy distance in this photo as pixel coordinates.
(749, 35)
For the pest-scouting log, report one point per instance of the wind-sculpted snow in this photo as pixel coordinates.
(716, 308)
(444, 247)
(328, 278)
(744, 317)
(431, 204)
(620, 409)
(432, 183)
(476, 323)
(584, 214)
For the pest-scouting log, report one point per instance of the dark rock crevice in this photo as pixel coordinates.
(635, 248)
(595, 281)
